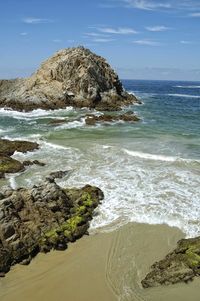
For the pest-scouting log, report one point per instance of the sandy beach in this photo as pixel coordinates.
(108, 266)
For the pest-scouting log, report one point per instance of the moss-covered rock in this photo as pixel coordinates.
(181, 265)
(42, 218)
(9, 165)
(84, 201)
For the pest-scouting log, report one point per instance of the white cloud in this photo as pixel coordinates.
(149, 5)
(185, 42)
(157, 28)
(102, 40)
(195, 15)
(146, 4)
(120, 30)
(57, 41)
(96, 34)
(147, 43)
(23, 34)
(30, 20)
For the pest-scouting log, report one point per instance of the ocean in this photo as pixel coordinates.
(149, 171)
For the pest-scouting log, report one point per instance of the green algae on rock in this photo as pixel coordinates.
(181, 265)
(42, 218)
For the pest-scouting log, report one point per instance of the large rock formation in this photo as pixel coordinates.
(72, 77)
(42, 218)
(181, 265)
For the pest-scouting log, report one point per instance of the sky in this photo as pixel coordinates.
(141, 39)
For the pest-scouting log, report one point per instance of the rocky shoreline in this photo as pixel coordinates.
(43, 217)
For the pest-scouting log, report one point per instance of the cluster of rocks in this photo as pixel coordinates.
(7, 149)
(107, 118)
(71, 77)
(42, 218)
(181, 265)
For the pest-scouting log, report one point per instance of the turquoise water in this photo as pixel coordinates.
(149, 171)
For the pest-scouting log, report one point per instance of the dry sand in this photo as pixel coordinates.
(104, 267)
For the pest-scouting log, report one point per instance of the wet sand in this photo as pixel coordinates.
(106, 267)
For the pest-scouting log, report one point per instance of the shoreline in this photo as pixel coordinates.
(104, 266)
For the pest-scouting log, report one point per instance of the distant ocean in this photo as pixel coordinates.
(149, 171)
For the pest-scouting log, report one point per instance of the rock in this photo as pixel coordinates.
(59, 174)
(42, 218)
(8, 147)
(126, 117)
(36, 162)
(9, 165)
(57, 121)
(71, 77)
(2, 175)
(181, 265)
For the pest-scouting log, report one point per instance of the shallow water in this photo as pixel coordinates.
(149, 171)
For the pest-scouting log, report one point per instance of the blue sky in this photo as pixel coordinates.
(141, 39)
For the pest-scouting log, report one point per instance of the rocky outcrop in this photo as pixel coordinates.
(181, 265)
(42, 218)
(72, 77)
(7, 149)
(107, 118)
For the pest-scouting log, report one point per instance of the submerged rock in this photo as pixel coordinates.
(34, 162)
(181, 265)
(71, 77)
(42, 218)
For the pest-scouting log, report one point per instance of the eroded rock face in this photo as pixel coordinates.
(42, 218)
(181, 265)
(72, 77)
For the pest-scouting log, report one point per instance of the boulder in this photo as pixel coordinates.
(181, 265)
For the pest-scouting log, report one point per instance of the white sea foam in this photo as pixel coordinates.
(188, 87)
(71, 125)
(39, 113)
(150, 156)
(138, 190)
(54, 146)
(157, 157)
(184, 95)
